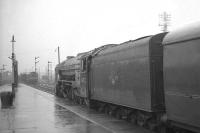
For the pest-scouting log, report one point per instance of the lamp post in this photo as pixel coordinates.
(13, 58)
(14, 67)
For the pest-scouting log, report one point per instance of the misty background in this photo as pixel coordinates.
(40, 26)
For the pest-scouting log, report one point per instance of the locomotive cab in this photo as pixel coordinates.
(84, 78)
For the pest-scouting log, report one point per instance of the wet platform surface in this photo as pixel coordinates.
(35, 111)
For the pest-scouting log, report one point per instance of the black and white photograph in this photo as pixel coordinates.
(99, 66)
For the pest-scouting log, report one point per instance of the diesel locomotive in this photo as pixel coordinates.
(153, 81)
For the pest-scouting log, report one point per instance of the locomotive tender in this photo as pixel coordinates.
(153, 81)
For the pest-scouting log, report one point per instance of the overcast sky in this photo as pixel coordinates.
(77, 26)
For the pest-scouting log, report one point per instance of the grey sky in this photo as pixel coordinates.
(77, 26)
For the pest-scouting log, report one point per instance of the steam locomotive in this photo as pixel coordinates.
(153, 81)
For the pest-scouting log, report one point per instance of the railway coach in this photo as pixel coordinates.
(182, 77)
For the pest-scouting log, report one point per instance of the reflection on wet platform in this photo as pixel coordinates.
(38, 112)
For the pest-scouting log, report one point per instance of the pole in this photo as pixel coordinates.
(51, 72)
(48, 69)
(13, 65)
(13, 41)
(165, 21)
(36, 63)
(13, 57)
(58, 55)
(39, 74)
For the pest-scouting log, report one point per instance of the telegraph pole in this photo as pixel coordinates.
(165, 20)
(36, 63)
(48, 69)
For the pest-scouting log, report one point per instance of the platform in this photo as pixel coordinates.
(35, 111)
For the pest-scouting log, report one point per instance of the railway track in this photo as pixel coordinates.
(49, 88)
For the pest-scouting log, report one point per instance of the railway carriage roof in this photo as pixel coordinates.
(186, 33)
